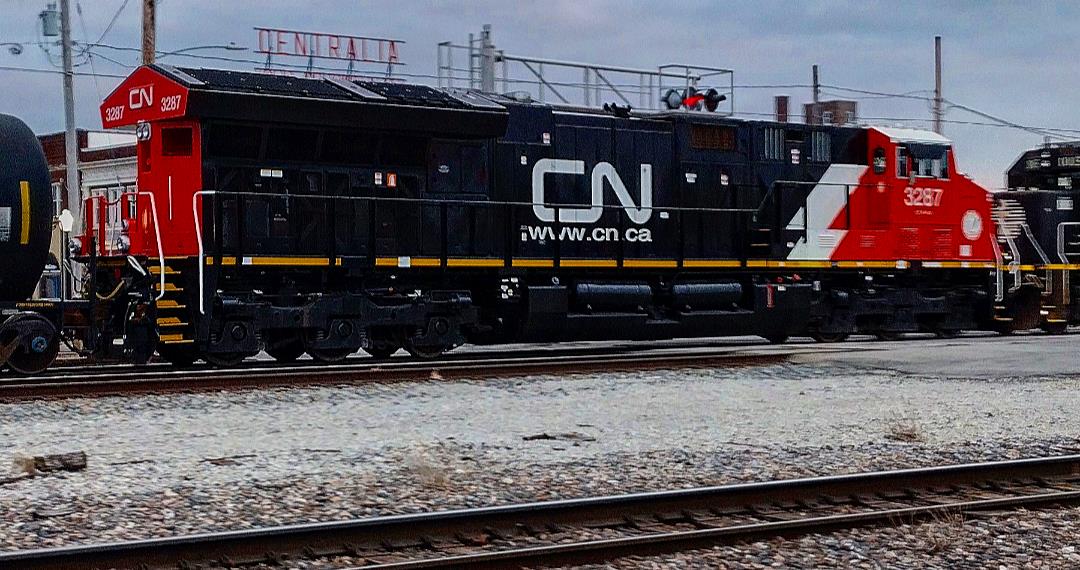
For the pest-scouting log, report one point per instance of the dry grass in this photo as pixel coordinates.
(943, 531)
(24, 464)
(903, 429)
(427, 472)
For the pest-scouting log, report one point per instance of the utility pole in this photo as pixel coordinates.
(815, 110)
(71, 142)
(148, 39)
(817, 88)
(487, 61)
(937, 85)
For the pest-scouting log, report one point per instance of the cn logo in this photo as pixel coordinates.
(603, 171)
(139, 97)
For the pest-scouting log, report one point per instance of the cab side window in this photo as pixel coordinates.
(879, 160)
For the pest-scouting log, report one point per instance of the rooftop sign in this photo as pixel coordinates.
(354, 49)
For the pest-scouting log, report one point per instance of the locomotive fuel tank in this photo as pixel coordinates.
(25, 210)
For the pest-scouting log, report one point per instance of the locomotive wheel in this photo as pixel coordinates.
(44, 345)
(329, 355)
(888, 336)
(828, 337)
(224, 359)
(424, 352)
(285, 349)
(777, 339)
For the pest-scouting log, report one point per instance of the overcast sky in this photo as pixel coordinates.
(1015, 60)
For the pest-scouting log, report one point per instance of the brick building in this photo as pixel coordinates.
(837, 112)
(106, 162)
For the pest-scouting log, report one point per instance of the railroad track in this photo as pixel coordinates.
(75, 366)
(76, 380)
(604, 528)
(164, 379)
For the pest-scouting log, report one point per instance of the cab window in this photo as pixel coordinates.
(924, 160)
(879, 160)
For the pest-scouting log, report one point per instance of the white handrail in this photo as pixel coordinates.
(157, 236)
(198, 239)
(999, 276)
(1061, 240)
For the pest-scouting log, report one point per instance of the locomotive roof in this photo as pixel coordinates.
(913, 135)
(161, 92)
(1042, 165)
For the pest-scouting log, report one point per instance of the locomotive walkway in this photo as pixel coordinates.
(606, 528)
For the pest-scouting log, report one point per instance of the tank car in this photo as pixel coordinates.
(30, 329)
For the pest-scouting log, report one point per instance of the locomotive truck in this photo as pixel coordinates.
(326, 216)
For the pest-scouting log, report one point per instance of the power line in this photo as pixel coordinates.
(911, 95)
(56, 71)
(112, 22)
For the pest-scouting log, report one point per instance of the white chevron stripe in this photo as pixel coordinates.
(824, 202)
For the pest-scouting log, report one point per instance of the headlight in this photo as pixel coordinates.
(123, 244)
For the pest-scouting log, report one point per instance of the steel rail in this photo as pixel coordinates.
(77, 368)
(664, 543)
(170, 380)
(420, 530)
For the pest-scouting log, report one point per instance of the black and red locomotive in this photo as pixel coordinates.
(323, 216)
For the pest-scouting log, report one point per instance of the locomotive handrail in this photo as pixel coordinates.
(999, 259)
(775, 183)
(157, 238)
(199, 240)
(1061, 240)
(1014, 265)
(461, 202)
(1042, 255)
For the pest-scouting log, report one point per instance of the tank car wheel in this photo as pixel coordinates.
(828, 337)
(888, 336)
(329, 355)
(224, 359)
(285, 348)
(1054, 328)
(44, 344)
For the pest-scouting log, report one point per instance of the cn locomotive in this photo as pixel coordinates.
(324, 217)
